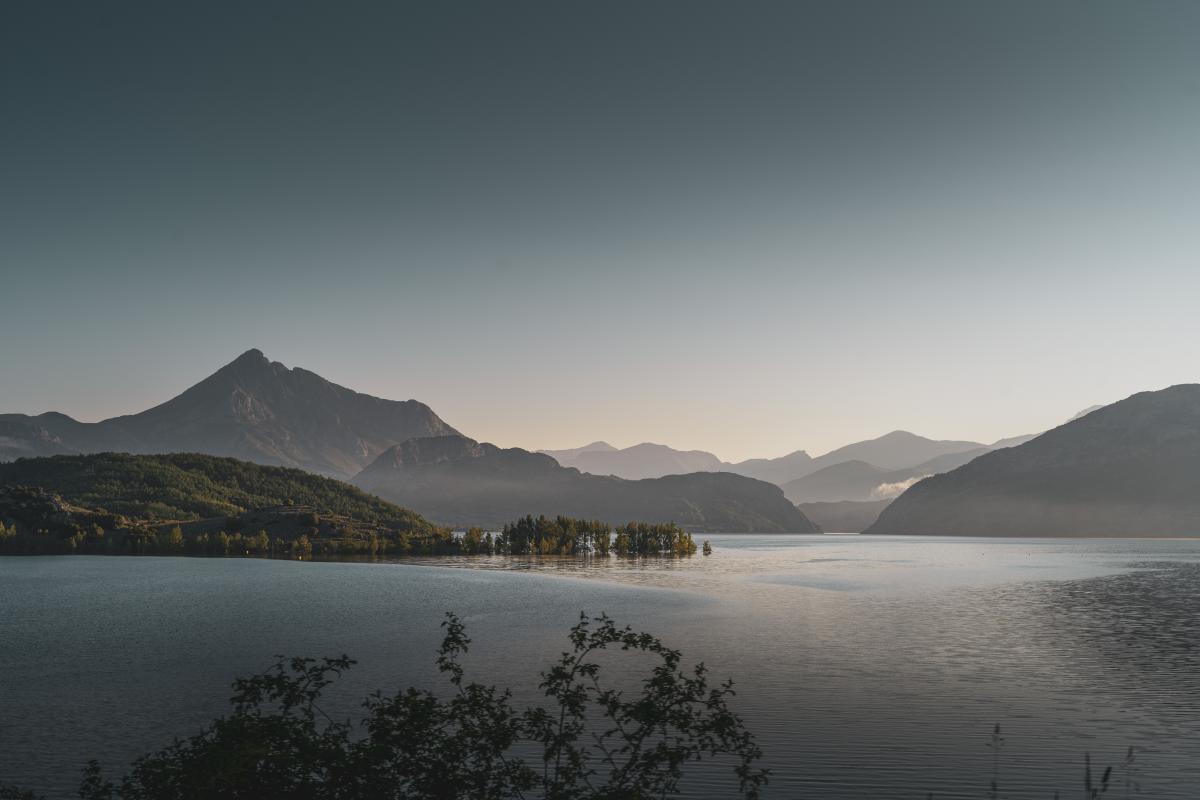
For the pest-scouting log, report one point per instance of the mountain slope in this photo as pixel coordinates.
(458, 481)
(564, 457)
(895, 450)
(1128, 469)
(183, 486)
(252, 409)
(860, 481)
(844, 516)
(775, 470)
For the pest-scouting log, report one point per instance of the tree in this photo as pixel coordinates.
(592, 740)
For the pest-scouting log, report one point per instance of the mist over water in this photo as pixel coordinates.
(869, 667)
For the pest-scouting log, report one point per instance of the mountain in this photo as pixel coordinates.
(1013, 441)
(187, 503)
(844, 516)
(252, 409)
(775, 470)
(458, 481)
(859, 481)
(849, 480)
(895, 450)
(190, 486)
(1127, 469)
(646, 460)
(24, 437)
(1086, 411)
(565, 456)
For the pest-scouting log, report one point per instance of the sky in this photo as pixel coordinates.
(741, 227)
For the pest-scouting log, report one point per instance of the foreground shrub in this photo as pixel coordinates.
(589, 741)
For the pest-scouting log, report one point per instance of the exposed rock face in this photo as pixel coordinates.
(252, 409)
(1128, 469)
(458, 481)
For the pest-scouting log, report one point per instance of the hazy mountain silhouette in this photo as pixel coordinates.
(1128, 469)
(858, 480)
(1013, 441)
(646, 460)
(458, 481)
(775, 470)
(252, 409)
(563, 457)
(844, 516)
(895, 450)
(1086, 411)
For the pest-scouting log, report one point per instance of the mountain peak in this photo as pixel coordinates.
(256, 410)
(251, 358)
(1127, 469)
(252, 353)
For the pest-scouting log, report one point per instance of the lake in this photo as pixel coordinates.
(869, 667)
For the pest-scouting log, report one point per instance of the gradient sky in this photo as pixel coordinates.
(741, 227)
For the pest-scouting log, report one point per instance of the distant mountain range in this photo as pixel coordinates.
(868, 471)
(1128, 469)
(458, 481)
(893, 451)
(649, 460)
(252, 409)
(857, 480)
(644, 460)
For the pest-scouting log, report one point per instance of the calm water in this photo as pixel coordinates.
(869, 667)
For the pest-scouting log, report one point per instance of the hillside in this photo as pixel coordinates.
(458, 481)
(1128, 469)
(564, 457)
(860, 481)
(252, 409)
(188, 486)
(844, 516)
(774, 470)
(120, 503)
(893, 451)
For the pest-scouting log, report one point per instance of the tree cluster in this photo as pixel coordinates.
(564, 536)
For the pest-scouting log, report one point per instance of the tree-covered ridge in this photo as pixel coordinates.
(189, 504)
(190, 486)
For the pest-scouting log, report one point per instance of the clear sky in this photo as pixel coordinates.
(742, 227)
